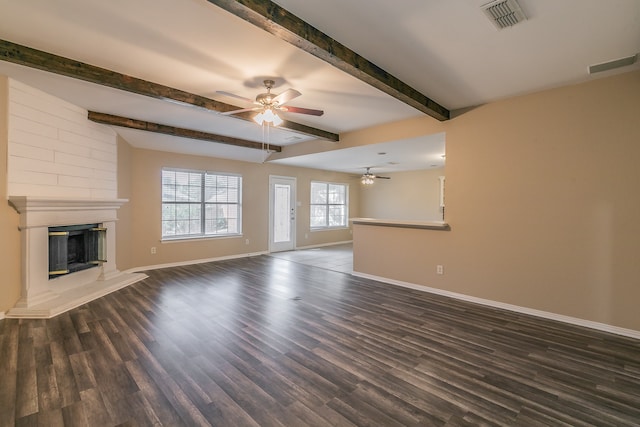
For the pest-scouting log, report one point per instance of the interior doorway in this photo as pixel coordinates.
(282, 213)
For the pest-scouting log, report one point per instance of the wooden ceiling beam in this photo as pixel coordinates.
(33, 58)
(109, 119)
(288, 27)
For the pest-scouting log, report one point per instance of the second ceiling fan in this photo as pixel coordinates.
(368, 177)
(269, 104)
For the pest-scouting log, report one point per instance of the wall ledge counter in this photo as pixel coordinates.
(424, 225)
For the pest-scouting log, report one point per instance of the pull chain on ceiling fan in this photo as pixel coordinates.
(270, 104)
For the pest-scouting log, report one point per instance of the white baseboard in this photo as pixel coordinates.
(515, 308)
(322, 245)
(2, 315)
(191, 262)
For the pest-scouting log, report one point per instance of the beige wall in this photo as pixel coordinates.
(142, 169)
(543, 198)
(9, 234)
(413, 195)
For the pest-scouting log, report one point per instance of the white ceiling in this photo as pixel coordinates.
(446, 49)
(426, 152)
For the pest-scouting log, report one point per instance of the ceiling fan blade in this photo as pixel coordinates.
(228, 113)
(300, 110)
(286, 96)
(233, 95)
(382, 177)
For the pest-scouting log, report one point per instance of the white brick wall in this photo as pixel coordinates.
(55, 151)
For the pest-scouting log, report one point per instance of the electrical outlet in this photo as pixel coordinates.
(246, 242)
(306, 236)
(439, 269)
(153, 250)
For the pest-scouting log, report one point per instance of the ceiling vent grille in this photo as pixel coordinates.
(504, 13)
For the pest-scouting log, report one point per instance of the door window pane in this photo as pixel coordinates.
(281, 213)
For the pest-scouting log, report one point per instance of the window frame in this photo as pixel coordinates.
(327, 204)
(202, 203)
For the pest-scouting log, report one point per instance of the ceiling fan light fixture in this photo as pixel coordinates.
(268, 116)
(259, 118)
(367, 180)
(276, 120)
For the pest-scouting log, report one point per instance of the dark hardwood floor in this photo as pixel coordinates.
(269, 342)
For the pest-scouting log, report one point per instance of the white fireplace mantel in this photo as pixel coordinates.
(53, 211)
(42, 297)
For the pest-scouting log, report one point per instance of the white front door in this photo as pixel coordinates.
(282, 213)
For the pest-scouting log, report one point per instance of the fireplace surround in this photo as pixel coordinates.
(44, 295)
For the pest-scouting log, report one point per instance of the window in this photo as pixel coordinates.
(329, 205)
(200, 204)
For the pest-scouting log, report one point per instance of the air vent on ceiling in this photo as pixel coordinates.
(504, 13)
(616, 63)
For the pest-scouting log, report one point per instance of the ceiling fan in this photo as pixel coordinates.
(269, 104)
(368, 177)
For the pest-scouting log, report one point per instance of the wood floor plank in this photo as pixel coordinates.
(67, 386)
(94, 408)
(254, 401)
(26, 389)
(82, 371)
(222, 410)
(362, 414)
(397, 409)
(153, 395)
(268, 341)
(74, 415)
(48, 394)
(144, 415)
(314, 417)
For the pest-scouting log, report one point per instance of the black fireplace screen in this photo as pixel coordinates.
(76, 247)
